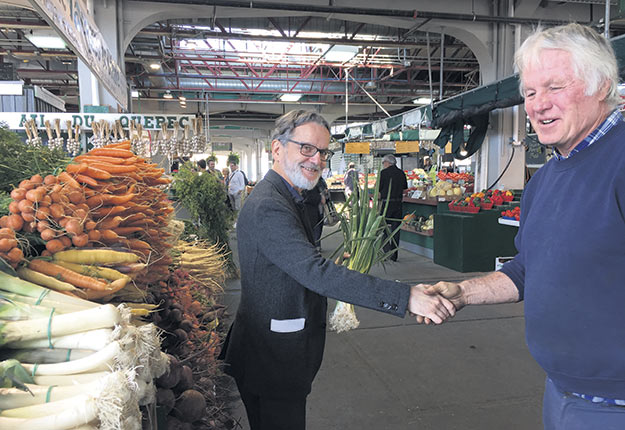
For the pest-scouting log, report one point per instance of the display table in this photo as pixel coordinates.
(471, 242)
(415, 241)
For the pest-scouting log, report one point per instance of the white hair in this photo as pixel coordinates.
(592, 56)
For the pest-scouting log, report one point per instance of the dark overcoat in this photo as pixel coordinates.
(275, 344)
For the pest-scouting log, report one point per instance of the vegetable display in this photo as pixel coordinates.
(101, 230)
(104, 370)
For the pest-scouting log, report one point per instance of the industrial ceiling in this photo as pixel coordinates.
(311, 54)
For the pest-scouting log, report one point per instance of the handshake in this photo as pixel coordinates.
(436, 303)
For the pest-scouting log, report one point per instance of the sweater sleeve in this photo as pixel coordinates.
(515, 269)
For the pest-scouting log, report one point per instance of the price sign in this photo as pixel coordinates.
(406, 146)
(357, 147)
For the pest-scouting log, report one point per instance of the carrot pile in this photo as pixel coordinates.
(108, 197)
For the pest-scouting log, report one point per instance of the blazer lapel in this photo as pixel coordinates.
(298, 207)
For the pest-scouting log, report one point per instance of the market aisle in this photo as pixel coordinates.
(473, 373)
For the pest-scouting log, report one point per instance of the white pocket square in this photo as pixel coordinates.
(288, 326)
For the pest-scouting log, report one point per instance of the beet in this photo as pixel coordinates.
(181, 335)
(175, 315)
(165, 399)
(175, 424)
(190, 406)
(170, 378)
(186, 325)
(186, 379)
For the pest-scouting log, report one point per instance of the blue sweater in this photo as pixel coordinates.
(570, 269)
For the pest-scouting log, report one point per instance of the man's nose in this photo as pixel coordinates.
(541, 101)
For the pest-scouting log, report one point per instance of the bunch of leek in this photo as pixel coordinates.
(363, 224)
(80, 363)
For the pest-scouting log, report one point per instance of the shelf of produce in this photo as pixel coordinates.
(429, 202)
(418, 242)
(506, 221)
(427, 233)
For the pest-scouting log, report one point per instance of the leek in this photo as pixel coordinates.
(94, 340)
(108, 357)
(60, 380)
(103, 316)
(46, 302)
(16, 285)
(14, 310)
(44, 355)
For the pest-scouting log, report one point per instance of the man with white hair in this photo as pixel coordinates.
(571, 241)
(394, 179)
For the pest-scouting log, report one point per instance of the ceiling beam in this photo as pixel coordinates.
(396, 13)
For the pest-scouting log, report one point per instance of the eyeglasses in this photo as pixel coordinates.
(308, 150)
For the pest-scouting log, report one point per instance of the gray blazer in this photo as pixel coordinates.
(275, 344)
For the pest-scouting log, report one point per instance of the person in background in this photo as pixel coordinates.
(212, 170)
(569, 272)
(225, 172)
(201, 166)
(275, 345)
(394, 179)
(236, 187)
(350, 179)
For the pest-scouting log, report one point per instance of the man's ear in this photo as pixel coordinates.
(604, 90)
(277, 150)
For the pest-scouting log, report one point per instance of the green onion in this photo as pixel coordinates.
(363, 227)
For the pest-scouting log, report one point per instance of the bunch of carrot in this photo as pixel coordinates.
(53, 206)
(127, 202)
(106, 197)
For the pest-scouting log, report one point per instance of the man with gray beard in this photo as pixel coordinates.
(275, 344)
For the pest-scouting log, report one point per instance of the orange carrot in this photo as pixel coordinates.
(120, 200)
(112, 152)
(76, 168)
(114, 168)
(114, 287)
(125, 231)
(87, 180)
(65, 177)
(96, 173)
(110, 223)
(66, 275)
(99, 159)
(124, 144)
(105, 211)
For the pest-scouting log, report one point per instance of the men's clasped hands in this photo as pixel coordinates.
(435, 304)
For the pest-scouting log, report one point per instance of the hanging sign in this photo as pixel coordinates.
(16, 120)
(222, 146)
(448, 148)
(356, 147)
(406, 146)
(71, 19)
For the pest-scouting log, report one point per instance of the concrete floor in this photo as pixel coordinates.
(471, 373)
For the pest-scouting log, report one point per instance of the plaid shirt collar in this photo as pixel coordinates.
(614, 118)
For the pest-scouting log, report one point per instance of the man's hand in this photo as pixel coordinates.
(450, 291)
(432, 306)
